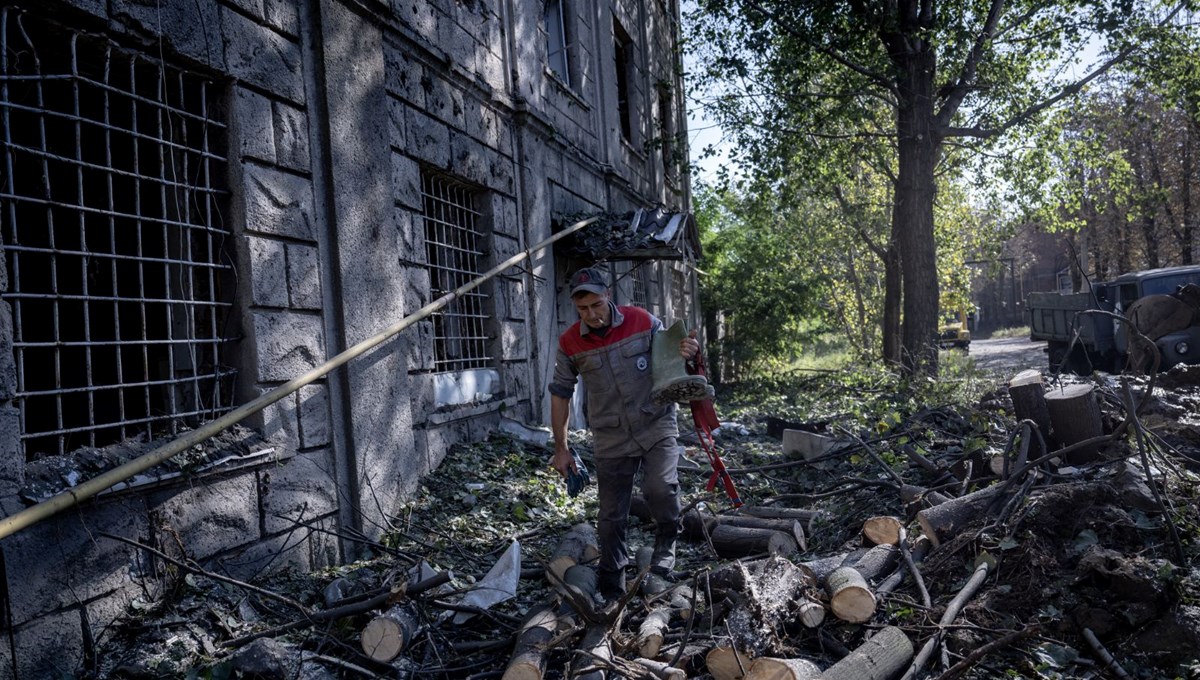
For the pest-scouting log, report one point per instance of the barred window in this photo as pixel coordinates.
(637, 276)
(455, 249)
(679, 293)
(113, 238)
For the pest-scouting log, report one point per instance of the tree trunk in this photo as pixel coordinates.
(879, 658)
(389, 633)
(877, 561)
(652, 631)
(892, 281)
(918, 142)
(882, 530)
(850, 598)
(1074, 417)
(765, 668)
(726, 663)
(731, 541)
(595, 643)
(529, 655)
(943, 522)
(917, 498)
(1029, 403)
(578, 545)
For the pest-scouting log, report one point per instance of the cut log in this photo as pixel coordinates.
(1029, 403)
(732, 575)
(822, 567)
(877, 561)
(661, 670)
(578, 546)
(917, 498)
(1074, 417)
(879, 658)
(595, 644)
(730, 541)
(766, 668)
(652, 632)
(528, 661)
(850, 598)
(579, 588)
(697, 525)
(389, 633)
(770, 512)
(943, 522)
(882, 530)
(810, 613)
(726, 663)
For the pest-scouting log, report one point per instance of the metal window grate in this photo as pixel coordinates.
(638, 278)
(679, 293)
(454, 250)
(113, 240)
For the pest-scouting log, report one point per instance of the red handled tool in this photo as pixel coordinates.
(704, 416)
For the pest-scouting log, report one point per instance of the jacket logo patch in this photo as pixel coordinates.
(642, 363)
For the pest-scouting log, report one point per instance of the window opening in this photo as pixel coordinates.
(113, 239)
(666, 130)
(557, 55)
(455, 248)
(679, 293)
(638, 278)
(623, 46)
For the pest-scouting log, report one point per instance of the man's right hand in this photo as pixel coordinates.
(562, 461)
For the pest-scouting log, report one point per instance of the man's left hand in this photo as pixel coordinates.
(689, 347)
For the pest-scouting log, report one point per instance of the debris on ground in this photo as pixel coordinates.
(929, 533)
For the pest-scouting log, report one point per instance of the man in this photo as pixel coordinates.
(610, 348)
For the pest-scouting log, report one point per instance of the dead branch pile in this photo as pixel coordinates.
(1018, 535)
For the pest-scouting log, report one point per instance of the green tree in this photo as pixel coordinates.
(899, 80)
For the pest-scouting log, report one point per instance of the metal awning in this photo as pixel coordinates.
(643, 234)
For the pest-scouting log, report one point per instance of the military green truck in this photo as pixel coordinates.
(1103, 342)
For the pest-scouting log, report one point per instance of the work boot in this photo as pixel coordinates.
(672, 383)
(611, 585)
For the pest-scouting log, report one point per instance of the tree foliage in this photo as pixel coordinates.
(906, 87)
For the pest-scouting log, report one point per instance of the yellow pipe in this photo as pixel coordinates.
(61, 501)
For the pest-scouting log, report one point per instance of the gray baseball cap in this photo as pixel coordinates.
(589, 280)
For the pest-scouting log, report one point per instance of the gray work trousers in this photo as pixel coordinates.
(660, 486)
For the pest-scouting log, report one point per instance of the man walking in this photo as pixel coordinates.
(609, 347)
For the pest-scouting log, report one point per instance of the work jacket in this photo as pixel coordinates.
(617, 381)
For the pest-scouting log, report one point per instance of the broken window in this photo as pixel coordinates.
(456, 252)
(113, 236)
(557, 42)
(623, 46)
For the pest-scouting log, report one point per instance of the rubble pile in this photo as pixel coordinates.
(889, 531)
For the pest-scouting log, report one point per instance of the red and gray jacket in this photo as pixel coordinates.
(617, 381)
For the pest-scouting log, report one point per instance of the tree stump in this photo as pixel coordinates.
(731, 541)
(943, 522)
(389, 633)
(766, 668)
(1029, 403)
(880, 658)
(882, 530)
(528, 661)
(577, 546)
(1074, 417)
(850, 598)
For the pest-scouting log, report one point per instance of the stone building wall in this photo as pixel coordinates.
(336, 118)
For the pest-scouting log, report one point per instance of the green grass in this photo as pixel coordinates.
(1013, 332)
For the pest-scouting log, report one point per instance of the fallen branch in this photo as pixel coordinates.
(1105, 657)
(974, 657)
(951, 613)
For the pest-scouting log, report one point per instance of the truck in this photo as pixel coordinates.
(1103, 342)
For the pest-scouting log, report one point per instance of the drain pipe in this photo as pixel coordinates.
(66, 499)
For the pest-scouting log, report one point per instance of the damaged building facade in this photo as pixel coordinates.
(203, 200)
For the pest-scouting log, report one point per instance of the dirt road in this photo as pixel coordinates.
(1008, 355)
